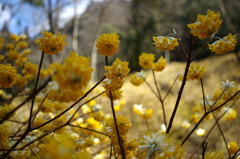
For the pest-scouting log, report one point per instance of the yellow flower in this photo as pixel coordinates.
(206, 26)
(195, 72)
(165, 43)
(8, 75)
(30, 70)
(1, 43)
(20, 81)
(231, 114)
(119, 104)
(233, 147)
(214, 155)
(224, 45)
(108, 44)
(4, 110)
(4, 134)
(51, 44)
(15, 38)
(22, 45)
(143, 112)
(160, 64)
(12, 55)
(112, 84)
(146, 60)
(118, 70)
(137, 78)
(117, 94)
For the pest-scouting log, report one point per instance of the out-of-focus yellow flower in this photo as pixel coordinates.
(160, 64)
(51, 44)
(20, 81)
(206, 26)
(195, 72)
(1, 43)
(12, 55)
(8, 75)
(137, 78)
(4, 136)
(117, 94)
(15, 38)
(10, 46)
(165, 43)
(231, 114)
(200, 132)
(224, 45)
(30, 70)
(93, 124)
(119, 104)
(4, 110)
(108, 44)
(233, 147)
(83, 154)
(112, 84)
(1, 58)
(22, 45)
(143, 112)
(146, 61)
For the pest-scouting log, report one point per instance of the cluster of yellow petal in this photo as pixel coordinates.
(231, 114)
(8, 75)
(137, 78)
(1, 43)
(12, 54)
(160, 64)
(20, 81)
(22, 57)
(165, 43)
(118, 105)
(15, 38)
(224, 45)
(143, 112)
(206, 26)
(117, 94)
(146, 60)
(4, 134)
(115, 75)
(51, 44)
(30, 70)
(233, 147)
(71, 78)
(195, 72)
(20, 154)
(108, 44)
(123, 125)
(22, 45)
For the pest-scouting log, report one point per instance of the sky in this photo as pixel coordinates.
(24, 15)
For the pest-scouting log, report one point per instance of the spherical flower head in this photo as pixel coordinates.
(15, 38)
(22, 45)
(233, 147)
(12, 54)
(4, 136)
(137, 78)
(51, 44)
(146, 60)
(165, 43)
(20, 81)
(118, 70)
(160, 64)
(206, 26)
(231, 114)
(117, 94)
(195, 72)
(1, 43)
(112, 84)
(8, 75)
(224, 45)
(108, 44)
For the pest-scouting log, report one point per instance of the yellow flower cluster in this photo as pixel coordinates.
(137, 78)
(71, 78)
(1, 43)
(233, 147)
(224, 45)
(143, 112)
(119, 104)
(165, 43)
(4, 134)
(117, 94)
(8, 75)
(146, 61)
(115, 75)
(217, 155)
(206, 26)
(30, 70)
(160, 64)
(123, 125)
(195, 72)
(5, 109)
(22, 45)
(108, 44)
(51, 44)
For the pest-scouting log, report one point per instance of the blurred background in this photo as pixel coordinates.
(135, 21)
